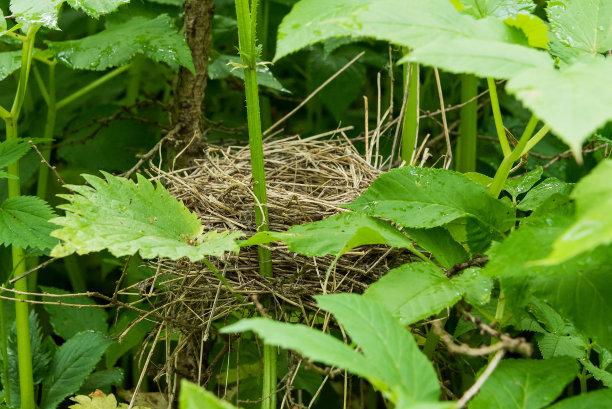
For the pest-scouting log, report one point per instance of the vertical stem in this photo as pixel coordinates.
(499, 125)
(410, 129)
(5, 368)
(466, 144)
(247, 29)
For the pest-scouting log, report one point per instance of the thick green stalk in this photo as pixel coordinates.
(466, 144)
(247, 30)
(499, 125)
(410, 129)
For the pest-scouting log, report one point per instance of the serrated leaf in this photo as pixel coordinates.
(310, 343)
(124, 217)
(385, 342)
(414, 291)
(219, 68)
(525, 383)
(497, 8)
(10, 61)
(522, 185)
(593, 224)
(158, 39)
(533, 27)
(553, 345)
(425, 198)
(72, 363)
(582, 24)
(193, 396)
(12, 150)
(99, 402)
(6, 175)
(601, 375)
(97, 8)
(573, 101)
(542, 192)
(482, 57)
(68, 321)
(336, 235)
(601, 399)
(24, 222)
(43, 12)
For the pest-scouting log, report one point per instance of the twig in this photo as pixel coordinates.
(449, 151)
(30, 271)
(470, 393)
(149, 154)
(144, 369)
(43, 160)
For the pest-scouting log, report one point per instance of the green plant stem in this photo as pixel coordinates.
(499, 125)
(5, 368)
(247, 30)
(410, 128)
(504, 169)
(536, 138)
(466, 144)
(92, 85)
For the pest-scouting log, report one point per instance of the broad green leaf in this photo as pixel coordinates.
(219, 68)
(24, 222)
(414, 291)
(45, 12)
(157, 39)
(525, 383)
(10, 61)
(97, 402)
(336, 235)
(553, 345)
(582, 24)
(2, 21)
(593, 224)
(97, 8)
(542, 192)
(72, 363)
(533, 27)
(601, 399)
(425, 198)
(102, 380)
(11, 151)
(521, 185)
(193, 396)
(68, 321)
(474, 286)
(441, 244)
(482, 57)
(125, 218)
(387, 345)
(601, 375)
(310, 343)
(573, 101)
(497, 8)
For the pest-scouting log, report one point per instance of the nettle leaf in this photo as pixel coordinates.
(124, 217)
(525, 383)
(158, 39)
(593, 225)
(573, 101)
(601, 399)
(582, 24)
(45, 12)
(424, 198)
(497, 8)
(10, 61)
(414, 291)
(484, 58)
(11, 151)
(219, 68)
(24, 222)
(336, 235)
(533, 27)
(542, 192)
(68, 321)
(193, 396)
(72, 363)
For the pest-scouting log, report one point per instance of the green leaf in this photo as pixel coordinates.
(72, 363)
(385, 343)
(24, 222)
(2, 21)
(533, 27)
(310, 343)
(582, 24)
(601, 375)
(441, 244)
(10, 61)
(593, 224)
(11, 151)
(414, 291)
(68, 321)
(482, 57)
(573, 101)
(97, 8)
(99, 402)
(474, 285)
(497, 8)
(158, 39)
(542, 192)
(102, 380)
(195, 397)
(219, 68)
(336, 235)
(525, 383)
(125, 218)
(45, 12)
(425, 198)
(521, 185)
(601, 399)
